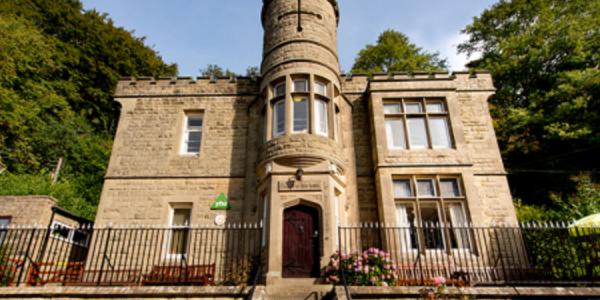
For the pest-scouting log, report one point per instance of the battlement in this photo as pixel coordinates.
(418, 80)
(186, 85)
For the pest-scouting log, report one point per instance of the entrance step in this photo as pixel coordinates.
(298, 289)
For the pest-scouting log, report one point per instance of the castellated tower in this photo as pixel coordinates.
(302, 164)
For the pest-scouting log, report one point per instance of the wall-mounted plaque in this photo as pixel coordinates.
(299, 186)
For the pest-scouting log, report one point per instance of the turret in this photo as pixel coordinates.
(300, 85)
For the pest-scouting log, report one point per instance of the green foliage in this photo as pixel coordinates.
(584, 201)
(59, 66)
(393, 53)
(217, 71)
(64, 191)
(556, 254)
(529, 212)
(544, 58)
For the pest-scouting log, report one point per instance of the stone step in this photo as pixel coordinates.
(300, 288)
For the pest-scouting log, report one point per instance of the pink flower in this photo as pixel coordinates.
(384, 283)
(366, 269)
(437, 281)
(430, 295)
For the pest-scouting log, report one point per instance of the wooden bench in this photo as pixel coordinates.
(126, 277)
(41, 273)
(180, 275)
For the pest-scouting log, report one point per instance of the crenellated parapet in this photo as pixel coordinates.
(182, 86)
(419, 80)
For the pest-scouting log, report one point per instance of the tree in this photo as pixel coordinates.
(544, 58)
(394, 52)
(59, 66)
(217, 71)
(584, 201)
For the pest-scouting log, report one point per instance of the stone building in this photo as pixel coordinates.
(305, 149)
(37, 210)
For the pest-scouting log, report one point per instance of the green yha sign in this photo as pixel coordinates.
(221, 203)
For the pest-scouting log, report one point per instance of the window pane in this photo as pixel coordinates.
(4, 222)
(431, 231)
(193, 143)
(459, 235)
(179, 239)
(194, 136)
(320, 88)
(395, 133)
(193, 147)
(60, 231)
(418, 135)
(405, 217)
(300, 114)
(435, 107)
(279, 90)
(194, 122)
(392, 108)
(300, 85)
(181, 216)
(449, 188)
(279, 118)
(414, 107)
(80, 237)
(402, 189)
(321, 116)
(425, 188)
(440, 132)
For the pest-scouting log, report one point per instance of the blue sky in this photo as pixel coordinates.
(194, 33)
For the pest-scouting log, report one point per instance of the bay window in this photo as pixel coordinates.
(431, 213)
(417, 124)
(308, 104)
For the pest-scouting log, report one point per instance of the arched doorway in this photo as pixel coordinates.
(301, 242)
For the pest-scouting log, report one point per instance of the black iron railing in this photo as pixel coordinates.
(122, 256)
(527, 254)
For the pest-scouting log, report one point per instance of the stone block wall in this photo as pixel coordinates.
(147, 201)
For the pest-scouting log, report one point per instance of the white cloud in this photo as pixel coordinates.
(447, 49)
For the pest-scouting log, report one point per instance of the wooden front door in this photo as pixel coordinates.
(300, 242)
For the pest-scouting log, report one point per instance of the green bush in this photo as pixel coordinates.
(40, 184)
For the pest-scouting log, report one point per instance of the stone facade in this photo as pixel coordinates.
(35, 210)
(300, 136)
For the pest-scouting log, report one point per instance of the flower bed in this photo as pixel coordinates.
(372, 267)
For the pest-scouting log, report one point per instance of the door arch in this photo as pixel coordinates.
(301, 241)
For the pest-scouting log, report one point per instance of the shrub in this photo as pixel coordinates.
(372, 267)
